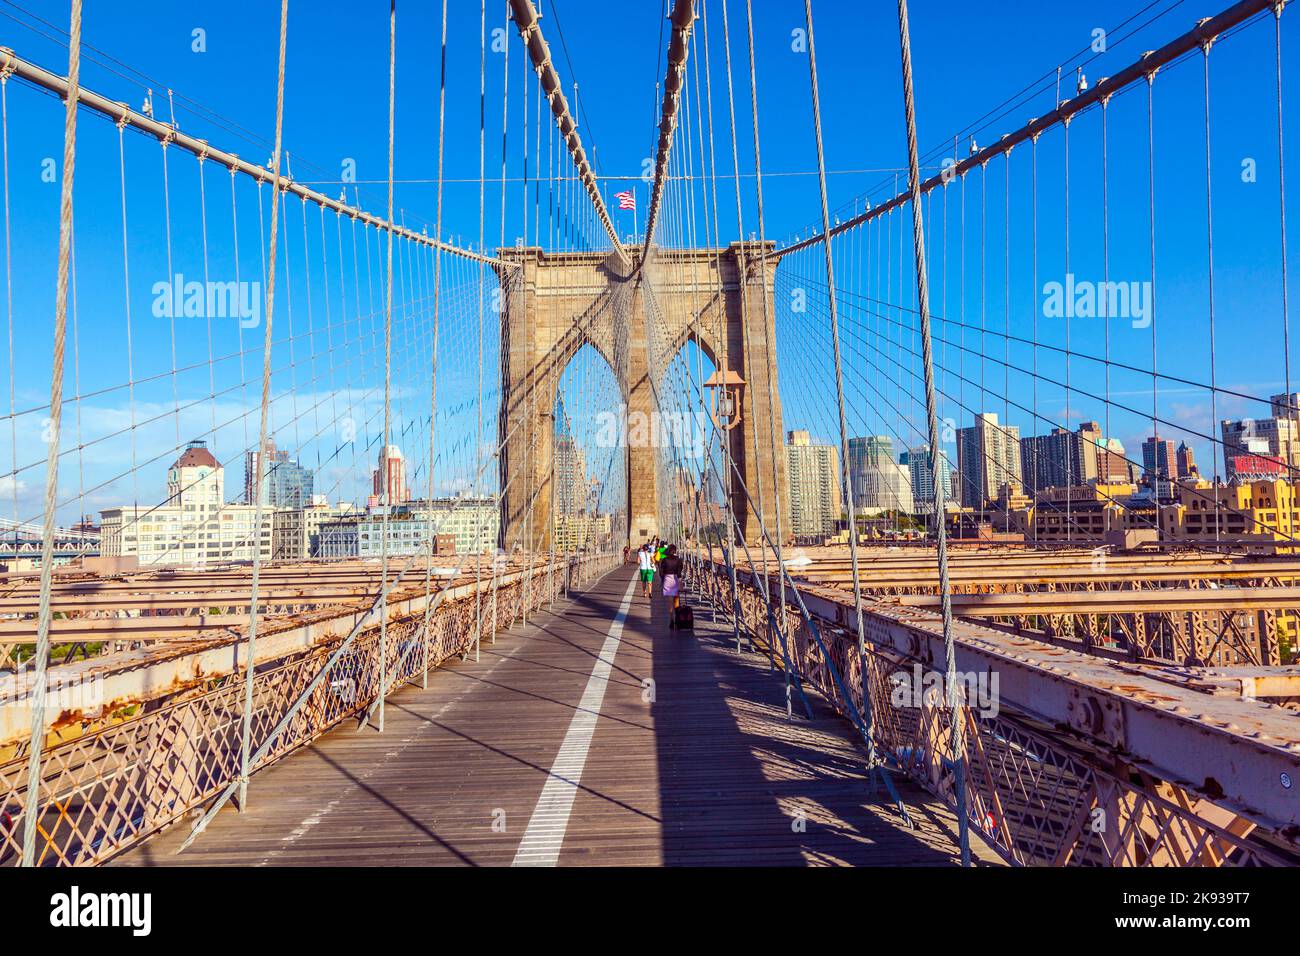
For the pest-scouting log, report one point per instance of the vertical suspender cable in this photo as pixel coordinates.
(927, 357)
(743, 280)
(1281, 200)
(1151, 218)
(9, 296)
(385, 469)
(1006, 298)
(1209, 253)
(478, 431)
(1033, 246)
(767, 319)
(167, 222)
(846, 477)
(234, 237)
(430, 534)
(203, 231)
(52, 455)
(1105, 246)
(1069, 458)
(724, 438)
(246, 731)
(505, 136)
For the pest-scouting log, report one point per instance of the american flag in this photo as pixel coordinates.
(626, 200)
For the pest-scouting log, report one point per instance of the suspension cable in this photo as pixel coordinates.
(52, 460)
(956, 728)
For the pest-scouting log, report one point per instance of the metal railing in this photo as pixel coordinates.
(109, 790)
(1034, 796)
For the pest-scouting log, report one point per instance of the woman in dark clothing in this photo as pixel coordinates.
(670, 571)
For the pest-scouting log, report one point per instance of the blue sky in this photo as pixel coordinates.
(969, 59)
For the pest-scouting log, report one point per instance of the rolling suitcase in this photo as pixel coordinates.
(684, 617)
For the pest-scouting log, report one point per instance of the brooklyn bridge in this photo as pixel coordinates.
(328, 488)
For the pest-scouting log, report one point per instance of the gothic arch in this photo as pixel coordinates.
(556, 302)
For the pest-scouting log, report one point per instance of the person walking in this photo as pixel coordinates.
(671, 570)
(646, 569)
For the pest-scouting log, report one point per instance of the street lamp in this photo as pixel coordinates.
(727, 388)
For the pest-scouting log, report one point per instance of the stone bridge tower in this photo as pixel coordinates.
(555, 303)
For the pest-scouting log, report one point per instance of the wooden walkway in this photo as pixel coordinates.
(577, 741)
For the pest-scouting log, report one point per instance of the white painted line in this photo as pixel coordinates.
(545, 834)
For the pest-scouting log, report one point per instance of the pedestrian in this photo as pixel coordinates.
(671, 570)
(646, 566)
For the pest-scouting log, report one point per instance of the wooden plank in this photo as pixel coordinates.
(706, 770)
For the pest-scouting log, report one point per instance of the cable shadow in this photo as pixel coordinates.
(764, 794)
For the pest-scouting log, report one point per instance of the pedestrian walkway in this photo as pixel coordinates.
(593, 735)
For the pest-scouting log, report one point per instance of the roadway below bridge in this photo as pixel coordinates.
(593, 735)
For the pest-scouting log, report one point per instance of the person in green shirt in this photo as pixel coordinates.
(646, 569)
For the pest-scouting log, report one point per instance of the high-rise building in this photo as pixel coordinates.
(1060, 459)
(393, 464)
(988, 458)
(290, 485)
(571, 488)
(814, 481)
(887, 487)
(1277, 438)
(582, 532)
(1113, 466)
(867, 455)
(879, 482)
(1186, 462)
(250, 472)
(194, 526)
(1285, 405)
(196, 481)
(285, 482)
(923, 476)
(1159, 459)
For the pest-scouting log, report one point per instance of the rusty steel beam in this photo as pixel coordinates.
(1238, 753)
(306, 584)
(162, 669)
(923, 555)
(134, 627)
(154, 627)
(1069, 580)
(682, 19)
(218, 597)
(1234, 682)
(528, 22)
(1155, 601)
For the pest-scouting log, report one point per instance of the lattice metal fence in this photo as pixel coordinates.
(108, 790)
(1037, 799)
